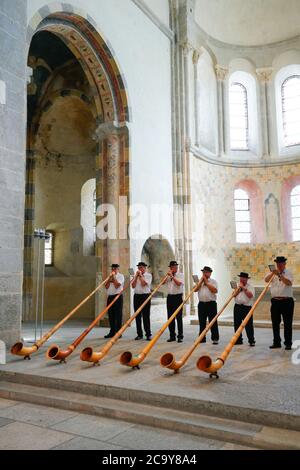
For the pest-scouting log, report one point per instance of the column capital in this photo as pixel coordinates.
(221, 72)
(107, 129)
(196, 56)
(187, 47)
(264, 74)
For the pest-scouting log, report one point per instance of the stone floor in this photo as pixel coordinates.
(32, 427)
(257, 377)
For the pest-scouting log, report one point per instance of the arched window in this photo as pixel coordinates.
(295, 212)
(49, 252)
(238, 117)
(88, 216)
(242, 216)
(95, 212)
(290, 95)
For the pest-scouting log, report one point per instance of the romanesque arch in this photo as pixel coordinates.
(106, 102)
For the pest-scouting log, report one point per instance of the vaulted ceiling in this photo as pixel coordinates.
(249, 22)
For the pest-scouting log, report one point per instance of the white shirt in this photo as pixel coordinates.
(173, 289)
(243, 299)
(279, 289)
(112, 290)
(139, 289)
(204, 294)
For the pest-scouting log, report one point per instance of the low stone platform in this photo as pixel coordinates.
(257, 380)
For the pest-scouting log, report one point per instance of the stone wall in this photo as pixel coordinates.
(12, 164)
(73, 275)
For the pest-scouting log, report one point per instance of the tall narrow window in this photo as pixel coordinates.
(49, 253)
(295, 211)
(95, 212)
(290, 94)
(238, 116)
(242, 216)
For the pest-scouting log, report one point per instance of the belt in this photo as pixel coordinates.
(281, 298)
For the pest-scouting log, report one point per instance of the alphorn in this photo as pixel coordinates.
(20, 350)
(127, 359)
(205, 363)
(168, 360)
(54, 352)
(89, 355)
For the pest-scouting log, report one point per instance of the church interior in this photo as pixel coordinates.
(134, 133)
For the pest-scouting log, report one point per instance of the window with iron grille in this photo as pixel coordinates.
(242, 216)
(290, 95)
(295, 212)
(238, 117)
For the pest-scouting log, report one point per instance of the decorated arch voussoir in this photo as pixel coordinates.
(82, 35)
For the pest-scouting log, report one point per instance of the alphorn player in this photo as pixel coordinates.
(207, 306)
(175, 285)
(244, 300)
(142, 289)
(282, 303)
(113, 287)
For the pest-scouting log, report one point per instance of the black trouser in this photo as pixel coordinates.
(138, 300)
(284, 307)
(239, 313)
(115, 313)
(173, 302)
(208, 310)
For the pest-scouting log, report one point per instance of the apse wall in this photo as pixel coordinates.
(213, 189)
(268, 170)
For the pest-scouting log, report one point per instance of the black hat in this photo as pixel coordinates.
(280, 259)
(207, 268)
(246, 275)
(141, 263)
(114, 265)
(173, 263)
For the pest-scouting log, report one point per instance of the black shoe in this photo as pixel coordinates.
(215, 341)
(170, 340)
(288, 347)
(203, 341)
(138, 338)
(109, 335)
(180, 340)
(275, 346)
(120, 336)
(148, 338)
(252, 343)
(239, 342)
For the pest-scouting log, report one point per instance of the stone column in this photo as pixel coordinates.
(188, 52)
(182, 73)
(108, 190)
(221, 73)
(196, 56)
(12, 166)
(264, 76)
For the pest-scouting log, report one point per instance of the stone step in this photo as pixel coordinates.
(220, 429)
(170, 401)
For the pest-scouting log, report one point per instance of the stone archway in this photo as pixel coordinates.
(157, 252)
(109, 106)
